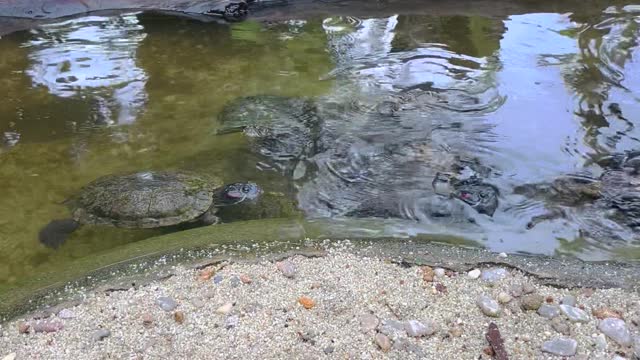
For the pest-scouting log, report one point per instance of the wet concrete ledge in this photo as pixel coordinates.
(18, 15)
(148, 260)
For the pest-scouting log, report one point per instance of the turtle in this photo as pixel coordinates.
(145, 200)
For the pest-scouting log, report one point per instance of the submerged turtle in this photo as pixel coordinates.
(147, 200)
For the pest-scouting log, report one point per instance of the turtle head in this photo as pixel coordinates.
(238, 192)
(480, 196)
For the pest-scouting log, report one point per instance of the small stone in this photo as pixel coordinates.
(307, 302)
(616, 330)
(392, 328)
(23, 327)
(548, 311)
(11, 356)
(206, 273)
(455, 331)
(568, 300)
(235, 281)
(231, 321)
(383, 342)
(516, 290)
(488, 350)
(561, 326)
(439, 272)
(100, 334)
(245, 279)
(328, 350)
(197, 302)
(416, 328)
(494, 275)
(502, 255)
(47, 326)
(217, 279)
(474, 274)
(286, 268)
(427, 274)
(574, 314)
(636, 347)
(178, 316)
(167, 303)
(489, 306)
(560, 347)
(225, 309)
(604, 312)
(66, 314)
(600, 342)
(147, 320)
(528, 288)
(368, 322)
(531, 301)
(504, 298)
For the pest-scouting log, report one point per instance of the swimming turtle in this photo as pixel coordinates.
(147, 200)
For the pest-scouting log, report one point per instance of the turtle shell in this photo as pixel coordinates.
(144, 199)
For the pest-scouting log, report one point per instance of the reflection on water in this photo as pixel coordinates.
(397, 102)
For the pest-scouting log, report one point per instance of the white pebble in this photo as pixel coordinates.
(474, 274)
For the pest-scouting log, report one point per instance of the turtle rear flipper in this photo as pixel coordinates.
(56, 232)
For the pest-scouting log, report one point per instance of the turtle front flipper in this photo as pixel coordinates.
(56, 232)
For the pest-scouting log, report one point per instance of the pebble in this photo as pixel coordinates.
(66, 314)
(504, 298)
(246, 279)
(531, 301)
(528, 288)
(307, 302)
(516, 290)
(489, 306)
(428, 274)
(47, 326)
(383, 342)
(416, 328)
(636, 347)
(11, 356)
(604, 312)
(561, 326)
(147, 320)
(166, 303)
(197, 302)
(328, 350)
(494, 275)
(568, 300)
(217, 279)
(178, 316)
(286, 268)
(235, 281)
(439, 272)
(616, 330)
(225, 309)
(574, 314)
(392, 328)
(100, 334)
(23, 327)
(548, 311)
(600, 342)
(560, 346)
(368, 322)
(474, 274)
(231, 321)
(455, 331)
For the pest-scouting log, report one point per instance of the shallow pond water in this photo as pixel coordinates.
(518, 100)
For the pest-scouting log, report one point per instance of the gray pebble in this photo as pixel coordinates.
(197, 302)
(560, 346)
(235, 281)
(328, 350)
(516, 290)
(528, 288)
(600, 342)
(383, 342)
(531, 301)
(489, 306)
(494, 274)
(368, 322)
(100, 334)
(416, 328)
(561, 326)
(286, 268)
(636, 347)
(616, 330)
(548, 311)
(66, 314)
(574, 314)
(47, 326)
(217, 279)
(166, 303)
(231, 321)
(439, 272)
(568, 300)
(392, 328)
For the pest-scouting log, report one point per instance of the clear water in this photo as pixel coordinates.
(526, 96)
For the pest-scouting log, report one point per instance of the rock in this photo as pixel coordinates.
(383, 342)
(616, 330)
(217, 279)
(100, 334)
(528, 288)
(600, 342)
(66, 314)
(504, 298)
(11, 356)
(307, 302)
(531, 301)
(604, 312)
(178, 316)
(245, 279)
(568, 300)
(47, 326)
(439, 272)
(235, 281)
(455, 331)
(548, 311)
(23, 327)
(516, 290)
(368, 322)
(574, 314)
(474, 274)
(502, 255)
(494, 275)
(328, 350)
(147, 320)
(286, 268)
(427, 273)
(231, 321)
(166, 303)
(560, 347)
(392, 328)
(206, 273)
(416, 328)
(636, 347)
(489, 306)
(561, 326)
(225, 309)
